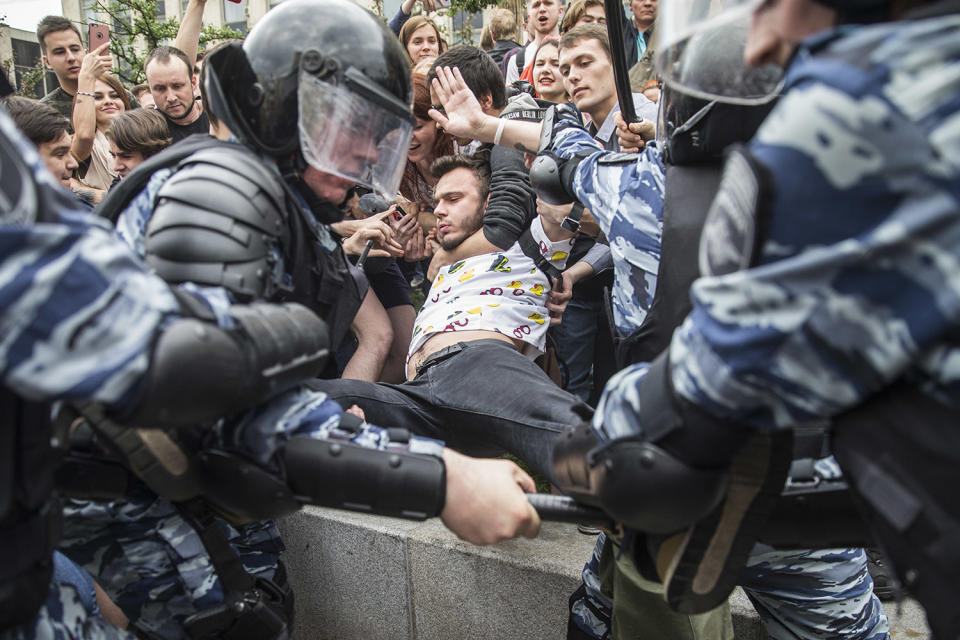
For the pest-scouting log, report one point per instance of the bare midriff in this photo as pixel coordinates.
(440, 340)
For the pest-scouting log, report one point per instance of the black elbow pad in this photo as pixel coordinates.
(636, 482)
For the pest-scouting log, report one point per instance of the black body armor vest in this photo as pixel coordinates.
(691, 191)
(224, 219)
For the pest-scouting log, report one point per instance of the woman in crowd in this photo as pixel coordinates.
(420, 38)
(546, 73)
(100, 98)
(134, 136)
(426, 145)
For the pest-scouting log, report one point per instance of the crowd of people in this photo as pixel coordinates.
(213, 312)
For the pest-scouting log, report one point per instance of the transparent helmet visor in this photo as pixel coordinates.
(350, 136)
(701, 52)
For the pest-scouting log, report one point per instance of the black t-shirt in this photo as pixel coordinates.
(180, 131)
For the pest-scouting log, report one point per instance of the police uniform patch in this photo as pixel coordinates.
(730, 232)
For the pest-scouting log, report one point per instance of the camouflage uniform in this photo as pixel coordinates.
(855, 285)
(799, 594)
(142, 551)
(79, 315)
(63, 617)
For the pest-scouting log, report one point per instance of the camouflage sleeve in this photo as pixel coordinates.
(132, 222)
(78, 311)
(624, 192)
(614, 185)
(857, 279)
(303, 412)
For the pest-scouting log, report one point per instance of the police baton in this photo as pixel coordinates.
(621, 77)
(565, 509)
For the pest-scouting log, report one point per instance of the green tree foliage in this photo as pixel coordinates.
(464, 34)
(30, 82)
(136, 27)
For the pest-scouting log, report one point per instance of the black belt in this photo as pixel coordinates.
(448, 352)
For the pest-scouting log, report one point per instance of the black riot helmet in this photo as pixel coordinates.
(321, 83)
(697, 131)
(711, 98)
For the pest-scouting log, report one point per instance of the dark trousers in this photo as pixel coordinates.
(483, 399)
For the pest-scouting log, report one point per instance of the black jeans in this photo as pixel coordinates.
(483, 400)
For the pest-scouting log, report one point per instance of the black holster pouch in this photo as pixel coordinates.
(250, 616)
(253, 608)
(900, 452)
(819, 515)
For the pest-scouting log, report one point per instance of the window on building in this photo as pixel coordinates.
(467, 27)
(235, 15)
(162, 10)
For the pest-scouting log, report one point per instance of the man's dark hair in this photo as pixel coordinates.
(164, 53)
(478, 164)
(143, 130)
(52, 24)
(140, 89)
(38, 121)
(478, 69)
(586, 32)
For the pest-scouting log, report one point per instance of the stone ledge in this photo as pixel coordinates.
(360, 577)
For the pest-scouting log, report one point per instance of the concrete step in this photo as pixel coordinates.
(360, 577)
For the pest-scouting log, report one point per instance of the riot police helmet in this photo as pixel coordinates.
(695, 131)
(321, 82)
(707, 61)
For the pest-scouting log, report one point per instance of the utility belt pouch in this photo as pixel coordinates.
(816, 515)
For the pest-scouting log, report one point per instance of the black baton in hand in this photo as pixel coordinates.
(621, 76)
(565, 509)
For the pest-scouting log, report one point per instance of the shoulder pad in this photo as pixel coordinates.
(618, 158)
(219, 221)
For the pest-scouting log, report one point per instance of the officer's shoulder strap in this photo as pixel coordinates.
(531, 249)
(123, 194)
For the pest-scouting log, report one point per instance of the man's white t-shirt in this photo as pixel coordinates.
(503, 292)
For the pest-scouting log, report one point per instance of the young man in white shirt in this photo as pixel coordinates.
(471, 379)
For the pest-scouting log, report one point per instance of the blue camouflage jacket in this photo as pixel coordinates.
(856, 280)
(79, 315)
